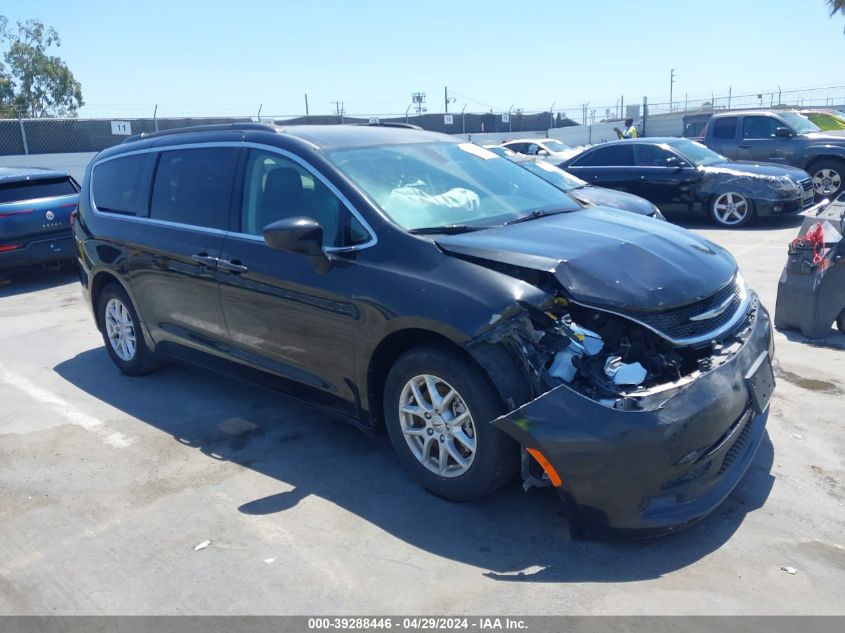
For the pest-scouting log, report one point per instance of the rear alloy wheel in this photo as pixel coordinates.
(827, 178)
(731, 209)
(438, 406)
(122, 333)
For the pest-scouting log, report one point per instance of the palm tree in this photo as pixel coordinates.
(836, 6)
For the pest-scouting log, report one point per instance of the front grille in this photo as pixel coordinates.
(808, 196)
(738, 446)
(675, 324)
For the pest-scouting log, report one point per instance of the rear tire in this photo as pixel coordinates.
(122, 335)
(828, 177)
(446, 442)
(840, 322)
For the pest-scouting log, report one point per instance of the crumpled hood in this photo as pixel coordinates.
(607, 258)
(750, 168)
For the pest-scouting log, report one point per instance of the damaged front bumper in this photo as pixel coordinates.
(658, 467)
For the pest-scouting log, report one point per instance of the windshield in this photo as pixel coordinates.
(441, 184)
(554, 175)
(556, 146)
(801, 124)
(696, 153)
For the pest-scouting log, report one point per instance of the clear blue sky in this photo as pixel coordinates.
(204, 57)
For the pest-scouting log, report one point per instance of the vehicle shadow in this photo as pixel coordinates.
(511, 536)
(834, 339)
(773, 222)
(23, 281)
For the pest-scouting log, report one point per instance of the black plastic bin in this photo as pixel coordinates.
(811, 296)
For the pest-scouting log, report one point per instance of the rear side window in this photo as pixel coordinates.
(33, 189)
(725, 128)
(618, 155)
(194, 186)
(122, 185)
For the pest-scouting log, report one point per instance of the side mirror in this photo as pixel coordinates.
(295, 235)
(674, 163)
(543, 152)
(784, 132)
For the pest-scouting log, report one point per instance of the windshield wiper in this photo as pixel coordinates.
(537, 213)
(446, 229)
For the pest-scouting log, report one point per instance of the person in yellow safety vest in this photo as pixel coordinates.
(630, 130)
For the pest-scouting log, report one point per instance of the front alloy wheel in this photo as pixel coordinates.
(437, 425)
(731, 209)
(438, 405)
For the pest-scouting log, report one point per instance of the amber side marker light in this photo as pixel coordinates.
(557, 482)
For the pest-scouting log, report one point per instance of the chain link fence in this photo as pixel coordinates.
(54, 136)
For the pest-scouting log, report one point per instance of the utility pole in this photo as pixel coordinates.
(338, 108)
(446, 98)
(306, 105)
(730, 92)
(671, 87)
(552, 115)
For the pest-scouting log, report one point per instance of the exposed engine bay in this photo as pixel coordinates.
(608, 358)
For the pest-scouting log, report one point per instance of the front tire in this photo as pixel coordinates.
(828, 177)
(122, 333)
(437, 408)
(731, 210)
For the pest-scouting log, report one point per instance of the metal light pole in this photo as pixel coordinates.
(671, 87)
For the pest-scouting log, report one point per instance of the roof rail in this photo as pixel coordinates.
(266, 127)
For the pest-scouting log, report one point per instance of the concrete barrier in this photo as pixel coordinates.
(74, 164)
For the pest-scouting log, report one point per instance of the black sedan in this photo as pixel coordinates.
(682, 175)
(587, 194)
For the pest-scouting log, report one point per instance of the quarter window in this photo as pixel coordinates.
(725, 128)
(122, 185)
(194, 186)
(276, 187)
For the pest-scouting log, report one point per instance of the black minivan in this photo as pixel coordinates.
(424, 286)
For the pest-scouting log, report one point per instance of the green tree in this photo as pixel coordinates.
(34, 83)
(836, 7)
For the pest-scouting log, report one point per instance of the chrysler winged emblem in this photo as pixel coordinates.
(714, 311)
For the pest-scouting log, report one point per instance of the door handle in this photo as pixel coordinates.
(233, 266)
(205, 259)
(642, 177)
(744, 145)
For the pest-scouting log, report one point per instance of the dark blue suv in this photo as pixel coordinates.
(35, 216)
